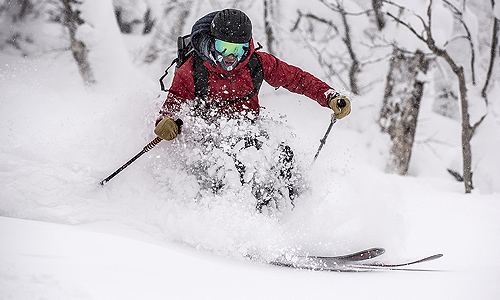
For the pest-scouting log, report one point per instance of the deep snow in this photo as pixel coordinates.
(143, 237)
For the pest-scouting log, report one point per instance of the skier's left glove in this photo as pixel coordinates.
(341, 105)
(168, 129)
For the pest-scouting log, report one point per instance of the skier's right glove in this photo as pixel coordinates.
(340, 104)
(168, 129)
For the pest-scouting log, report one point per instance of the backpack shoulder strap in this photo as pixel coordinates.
(256, 72)
(200, 76)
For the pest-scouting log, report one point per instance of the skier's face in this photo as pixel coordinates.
(229, 54)
(230, 59)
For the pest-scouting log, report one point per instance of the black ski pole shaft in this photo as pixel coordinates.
(341, 104)
(144, 150)
(323, 140)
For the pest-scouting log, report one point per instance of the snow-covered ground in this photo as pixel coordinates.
(143, 237)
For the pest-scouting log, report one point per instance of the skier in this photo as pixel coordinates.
(222, 80)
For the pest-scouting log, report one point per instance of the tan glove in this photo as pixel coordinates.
(168, 129)
(340, 105)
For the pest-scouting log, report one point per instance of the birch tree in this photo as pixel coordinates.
(465, 71)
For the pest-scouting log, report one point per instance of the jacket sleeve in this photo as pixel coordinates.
(280, 74)
(180, 92)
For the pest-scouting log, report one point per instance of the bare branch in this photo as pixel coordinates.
(493, 54)
(398, 20)
(459, 16)
(476, 125)
(296, 25)
(429, 16)
(336, 7)
(394, 4)
(355, 66)
(315, 18)
(327, 64)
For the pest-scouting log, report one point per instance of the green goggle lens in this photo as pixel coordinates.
(227, 48)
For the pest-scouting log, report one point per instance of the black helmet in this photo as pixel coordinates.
(232, 25)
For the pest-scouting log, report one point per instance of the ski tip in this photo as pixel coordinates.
(362, 255)
(374, 252)
(425, 259)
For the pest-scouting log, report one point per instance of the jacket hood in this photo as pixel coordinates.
(201, 37)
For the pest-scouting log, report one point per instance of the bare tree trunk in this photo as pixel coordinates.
(467, 131)
(379, 15)
(79, 50)
(401, 106)
(270, 39)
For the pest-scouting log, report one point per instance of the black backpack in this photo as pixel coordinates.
(200, 73)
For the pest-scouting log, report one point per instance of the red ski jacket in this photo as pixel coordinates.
(229, 85)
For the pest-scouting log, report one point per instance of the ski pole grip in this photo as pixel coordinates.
(179, 122)
(341, 103)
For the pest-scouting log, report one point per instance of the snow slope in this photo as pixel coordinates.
(143, 237)
(107, 260)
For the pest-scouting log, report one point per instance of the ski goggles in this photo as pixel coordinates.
(227, 48)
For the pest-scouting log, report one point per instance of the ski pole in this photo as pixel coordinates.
(146, 148)
(340, 103)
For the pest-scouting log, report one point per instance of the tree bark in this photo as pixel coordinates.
(270, 39)
(467, 132)
(399, 114)
(78, 48)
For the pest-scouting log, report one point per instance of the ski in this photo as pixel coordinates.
(354, 262)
